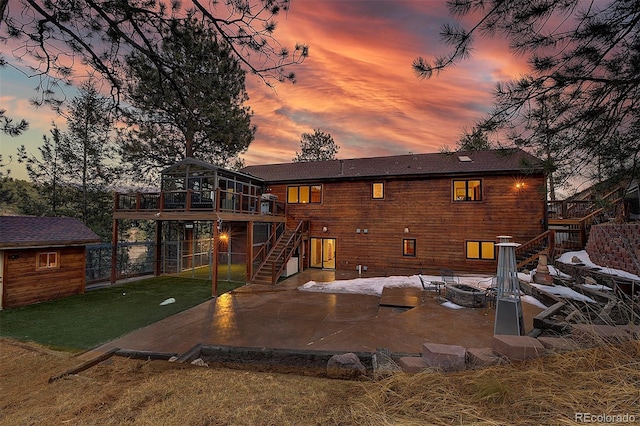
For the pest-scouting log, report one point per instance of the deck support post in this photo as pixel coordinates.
(249, 250)
(214, 261)
(114, 251)
(157, 270)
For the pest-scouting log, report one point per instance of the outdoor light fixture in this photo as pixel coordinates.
(324, 229)
(406, 230)
(357, 230)
(224, 237)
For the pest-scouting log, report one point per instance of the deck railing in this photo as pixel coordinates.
(190, 200)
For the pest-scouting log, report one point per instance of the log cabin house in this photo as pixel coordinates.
(41, 258)
(404, 213)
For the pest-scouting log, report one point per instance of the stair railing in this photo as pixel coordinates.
(276, 232)
(287, 250)
(542, 244)
(282, 251)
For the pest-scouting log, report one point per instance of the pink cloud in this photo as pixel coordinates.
(358, 84)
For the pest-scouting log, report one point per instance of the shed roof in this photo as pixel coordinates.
(28, 231)
(411, 165)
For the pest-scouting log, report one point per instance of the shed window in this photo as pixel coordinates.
(48, 260)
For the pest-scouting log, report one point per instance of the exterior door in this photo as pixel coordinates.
(323, 253)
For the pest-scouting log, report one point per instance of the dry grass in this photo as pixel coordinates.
(543, 391)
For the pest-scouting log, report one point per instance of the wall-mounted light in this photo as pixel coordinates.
(324, 229)
(357, 230)
(406, 230)
(519, 185)
(366, 231)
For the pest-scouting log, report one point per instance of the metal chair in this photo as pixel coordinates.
(449, 277)
(429, 286)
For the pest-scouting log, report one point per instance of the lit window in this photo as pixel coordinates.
(467, 190)
(292, 194)
(316, 194)
(304, 194)
(409, 247)
(378, 190)
(47, 260)
(481, 250)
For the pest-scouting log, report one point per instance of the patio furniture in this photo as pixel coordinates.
(449, 277)
(434, 286)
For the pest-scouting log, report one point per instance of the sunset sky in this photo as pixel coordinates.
(357, 84)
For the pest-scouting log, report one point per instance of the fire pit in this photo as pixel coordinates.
(465, 295)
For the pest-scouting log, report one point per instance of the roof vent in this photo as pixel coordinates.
(464, 159)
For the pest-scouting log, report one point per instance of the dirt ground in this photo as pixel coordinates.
(545, 391)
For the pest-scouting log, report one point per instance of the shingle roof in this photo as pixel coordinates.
(491, 161)
(27, 231)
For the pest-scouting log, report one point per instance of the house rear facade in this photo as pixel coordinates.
(383, 215)
(410, 213)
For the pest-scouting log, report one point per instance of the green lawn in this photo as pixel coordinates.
(98, 316)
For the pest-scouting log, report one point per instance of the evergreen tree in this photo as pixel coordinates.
(476, 140)
(583, 60)
(316, 146)
(52, 36)
(74, 170)
(10, 128)
(47, 175)
(87, 152)
(198, 113)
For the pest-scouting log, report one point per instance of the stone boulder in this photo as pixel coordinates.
(345, 366)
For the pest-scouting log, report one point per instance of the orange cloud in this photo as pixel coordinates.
(358, 84)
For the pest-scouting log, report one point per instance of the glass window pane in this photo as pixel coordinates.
(304, 194)
(378, 190)
(474, 192)
(292, 194)
(409, 247)
(459, 190)
(316, 194)
(53, 260)
(488, 251)
(473, 250)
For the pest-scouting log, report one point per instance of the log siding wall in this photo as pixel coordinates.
(439, 225)
(25, 284)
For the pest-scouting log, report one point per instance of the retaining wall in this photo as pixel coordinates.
(615, 246)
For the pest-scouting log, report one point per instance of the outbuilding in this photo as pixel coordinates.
(41, 258)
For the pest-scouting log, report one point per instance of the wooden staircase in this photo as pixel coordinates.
(527, 254)
(270, 270)
(570, 231)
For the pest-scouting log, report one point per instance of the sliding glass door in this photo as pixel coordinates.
(323, 253)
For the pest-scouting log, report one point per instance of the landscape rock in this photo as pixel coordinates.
(446, 357)
(345, 366)
(199, 362)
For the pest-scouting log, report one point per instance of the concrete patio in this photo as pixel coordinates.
(283, 317)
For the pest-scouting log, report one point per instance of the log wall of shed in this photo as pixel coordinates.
(24, 284)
